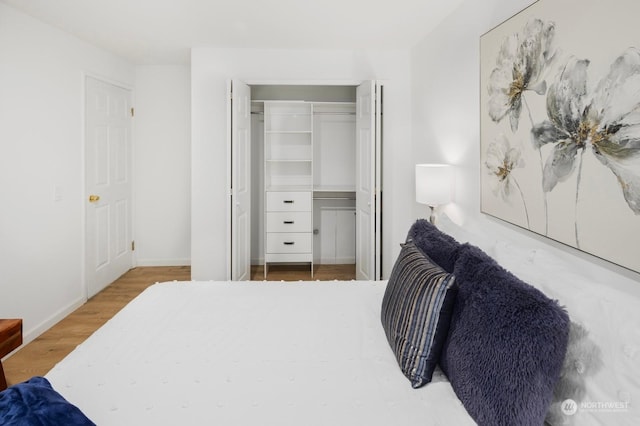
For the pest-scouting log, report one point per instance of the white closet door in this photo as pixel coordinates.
(240, 105)
(367, 155)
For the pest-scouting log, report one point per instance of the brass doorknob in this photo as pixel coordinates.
(94, 198)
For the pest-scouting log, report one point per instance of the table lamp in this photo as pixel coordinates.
(433, 186)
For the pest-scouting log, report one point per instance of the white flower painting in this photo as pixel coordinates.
(560, 126)
(501, 160)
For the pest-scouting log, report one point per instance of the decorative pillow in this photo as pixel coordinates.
(608, 309)
(473, 232)
(416, 310)
(506, 344)
(440, 247)
(34, 402)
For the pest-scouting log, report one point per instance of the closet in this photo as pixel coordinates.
(303, 152)
(303, 159)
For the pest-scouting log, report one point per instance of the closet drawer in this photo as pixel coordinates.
(288, 222)
(294, 242)
(289, 201)
(288, 257)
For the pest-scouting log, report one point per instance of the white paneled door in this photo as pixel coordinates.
(108, 240)
(367, 181)
(240, 106)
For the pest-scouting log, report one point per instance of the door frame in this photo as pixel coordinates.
(379, 84)
(83, 172)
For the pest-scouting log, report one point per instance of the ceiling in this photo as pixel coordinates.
(163, 31)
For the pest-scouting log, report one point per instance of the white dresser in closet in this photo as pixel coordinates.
(288, 182)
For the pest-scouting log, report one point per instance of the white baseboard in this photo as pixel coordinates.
(163, 262)
(30, 335)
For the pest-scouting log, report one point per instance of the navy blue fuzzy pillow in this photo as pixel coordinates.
(35, 402)
(506, 344)
(440, 247)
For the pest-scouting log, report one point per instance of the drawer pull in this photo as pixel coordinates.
(289, 243)
(288, 222)
(288, 201)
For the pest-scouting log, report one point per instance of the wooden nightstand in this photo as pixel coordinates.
(10, 339)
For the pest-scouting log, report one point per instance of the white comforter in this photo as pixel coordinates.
(250, 353)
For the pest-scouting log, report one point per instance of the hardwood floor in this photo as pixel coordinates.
(303, 272)
(43, 353)
(40, 355)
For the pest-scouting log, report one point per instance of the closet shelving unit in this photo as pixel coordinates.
(288, 182)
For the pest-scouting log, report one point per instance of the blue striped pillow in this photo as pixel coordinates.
(416, 311)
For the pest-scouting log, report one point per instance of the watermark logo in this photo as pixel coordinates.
(604, 406)
(569, 407)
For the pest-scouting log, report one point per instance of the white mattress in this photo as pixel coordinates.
(250, 353)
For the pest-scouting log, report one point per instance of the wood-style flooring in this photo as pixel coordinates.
(303, 272)
(43, 353)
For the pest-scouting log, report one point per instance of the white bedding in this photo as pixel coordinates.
(250, 353)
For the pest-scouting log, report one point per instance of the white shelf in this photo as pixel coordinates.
(291, 114)
(285, 132)
(334, 188)
(289, 160)
(288, 188)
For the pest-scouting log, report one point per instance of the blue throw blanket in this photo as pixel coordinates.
(36, 403)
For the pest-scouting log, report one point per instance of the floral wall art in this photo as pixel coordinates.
(560, 124)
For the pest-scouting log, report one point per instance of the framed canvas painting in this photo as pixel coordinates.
(560, 124)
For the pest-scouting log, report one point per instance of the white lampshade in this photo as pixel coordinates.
(433, 184)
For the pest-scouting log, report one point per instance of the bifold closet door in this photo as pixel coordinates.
(239, 112)
(367, 181)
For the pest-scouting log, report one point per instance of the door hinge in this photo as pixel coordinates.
(133, 246)
(133, 111)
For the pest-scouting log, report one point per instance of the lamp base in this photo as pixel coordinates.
(432, 215)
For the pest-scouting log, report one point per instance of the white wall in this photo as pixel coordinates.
(212, 67)
(41, 147)
(446, 91)
(162, 172)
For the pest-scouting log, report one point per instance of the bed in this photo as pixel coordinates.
(309, 353)
(526, 341)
